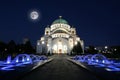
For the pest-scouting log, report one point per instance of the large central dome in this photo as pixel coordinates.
(60, 20)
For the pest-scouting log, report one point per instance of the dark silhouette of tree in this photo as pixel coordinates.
(73, 51)
(3, 48)
(11, 47)
(20, 48)
(91, 50)
(115, 52)
(77, 49)
(28, 48)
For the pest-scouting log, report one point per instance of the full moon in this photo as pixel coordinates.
(34, 15)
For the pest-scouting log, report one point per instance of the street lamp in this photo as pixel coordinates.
(106, 47)
(5, 49)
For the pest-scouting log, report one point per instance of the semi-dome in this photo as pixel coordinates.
(60, 20)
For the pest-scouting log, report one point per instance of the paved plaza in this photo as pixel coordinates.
(60, 69)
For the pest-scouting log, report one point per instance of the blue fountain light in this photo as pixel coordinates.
(8, 59)
(8, 67)
(28, 59)
(99, 60)
(16, 60)
(103, 61)
(23, 60)
(20, 60)
(112, 68)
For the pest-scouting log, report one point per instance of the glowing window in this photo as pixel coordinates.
(43, 42)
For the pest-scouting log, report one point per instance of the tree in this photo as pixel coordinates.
(11, 47)
(74, 49)
(77, 49)
(3, 48)
(28, 47)
(91, 50)
(115, 52)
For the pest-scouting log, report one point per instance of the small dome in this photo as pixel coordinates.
(60, 20)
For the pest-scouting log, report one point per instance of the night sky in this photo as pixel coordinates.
(97, 21)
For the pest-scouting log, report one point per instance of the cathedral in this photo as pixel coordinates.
(59, 38)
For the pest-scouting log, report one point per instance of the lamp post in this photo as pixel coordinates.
(106, 47)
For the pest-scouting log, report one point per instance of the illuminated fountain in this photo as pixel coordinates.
(98, 60)
(87, 58)
(8, 60)
(20, 60)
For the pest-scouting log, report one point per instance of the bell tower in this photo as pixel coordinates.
(47, 31)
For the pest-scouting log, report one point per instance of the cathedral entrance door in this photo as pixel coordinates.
(60, 51)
